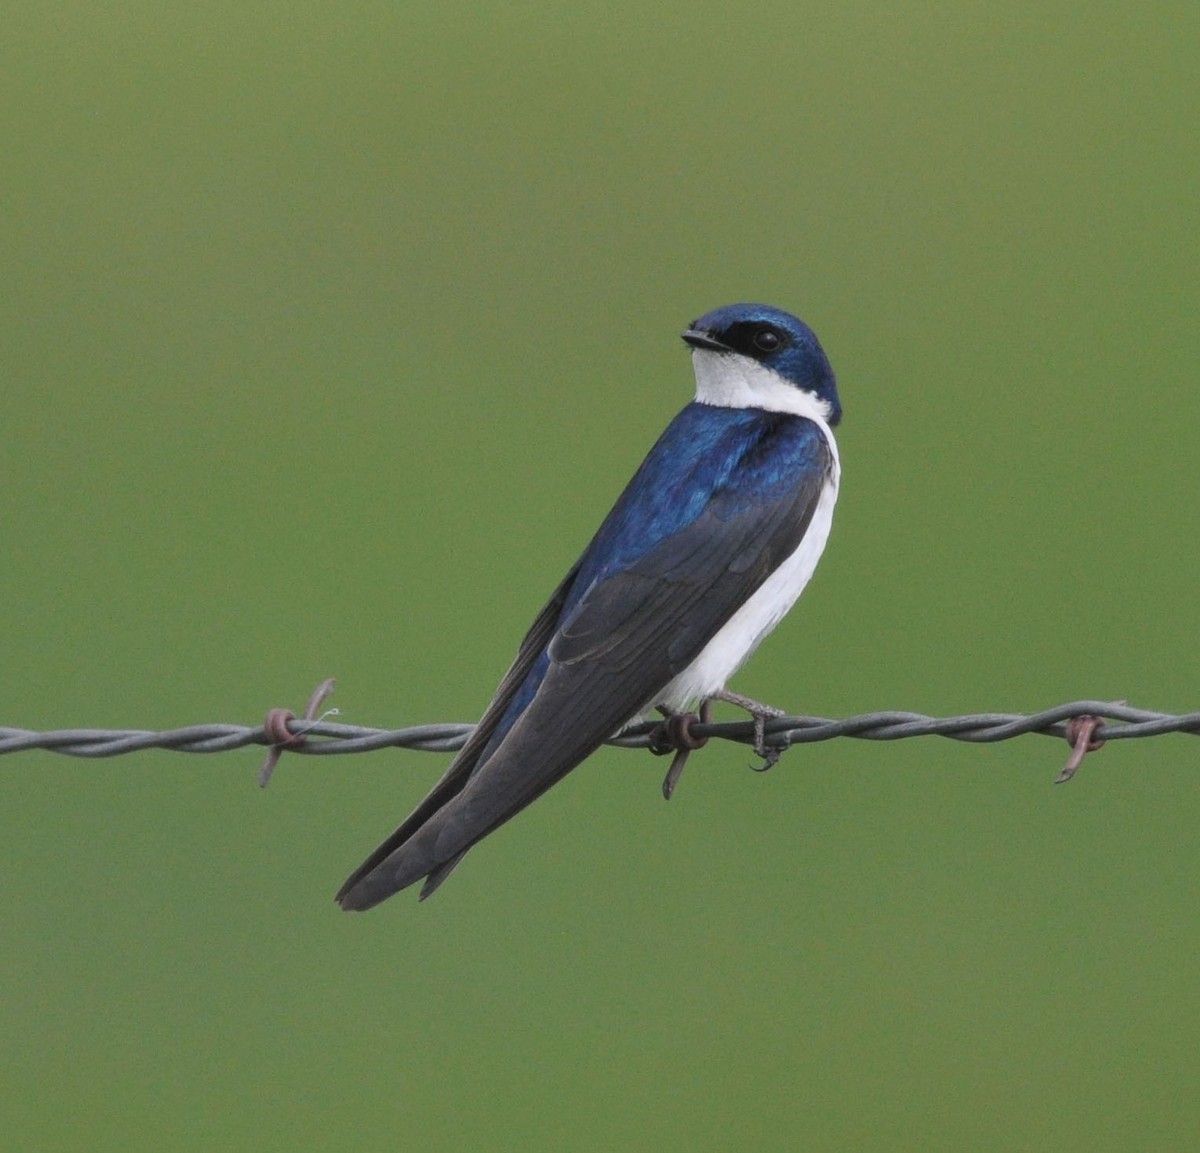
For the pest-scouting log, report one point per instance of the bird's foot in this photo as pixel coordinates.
(760, 714)
(675, 735)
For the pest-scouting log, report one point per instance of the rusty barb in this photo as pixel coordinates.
(281, 737)
(1080, 737)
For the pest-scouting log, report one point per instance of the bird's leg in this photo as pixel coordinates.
(675, 735)
(760, 714)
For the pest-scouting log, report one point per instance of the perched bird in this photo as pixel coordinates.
(704, 552)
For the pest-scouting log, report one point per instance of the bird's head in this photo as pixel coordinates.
(756, 356)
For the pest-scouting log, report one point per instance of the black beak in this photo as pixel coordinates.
(698, 339)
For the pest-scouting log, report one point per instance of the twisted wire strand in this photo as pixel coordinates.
(322, 737)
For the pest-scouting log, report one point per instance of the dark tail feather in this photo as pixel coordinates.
(434, 880)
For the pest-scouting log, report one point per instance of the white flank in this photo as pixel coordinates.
(738, 382)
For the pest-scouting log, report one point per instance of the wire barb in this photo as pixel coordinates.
(1080, 737)
(674, 734)
(276, 728)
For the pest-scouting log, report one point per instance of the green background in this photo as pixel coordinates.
(328, 335)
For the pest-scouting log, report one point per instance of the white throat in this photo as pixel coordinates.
(730, 380)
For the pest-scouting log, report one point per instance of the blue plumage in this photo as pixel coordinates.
(748, 454)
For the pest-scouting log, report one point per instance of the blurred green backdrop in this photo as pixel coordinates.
(330, 332)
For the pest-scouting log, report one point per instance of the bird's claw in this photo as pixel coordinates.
(770, 758)
(759, 714)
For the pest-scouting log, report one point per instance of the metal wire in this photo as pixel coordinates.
(322, 737)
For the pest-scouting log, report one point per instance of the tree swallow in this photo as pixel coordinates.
(704, 552)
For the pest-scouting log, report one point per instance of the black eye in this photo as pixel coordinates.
(767, 340)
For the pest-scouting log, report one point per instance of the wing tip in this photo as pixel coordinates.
(363, 891)
(362, 895)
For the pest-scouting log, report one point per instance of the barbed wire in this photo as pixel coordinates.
(1085, 724)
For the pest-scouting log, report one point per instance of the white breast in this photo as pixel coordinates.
(742, 633)
(732, 382)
